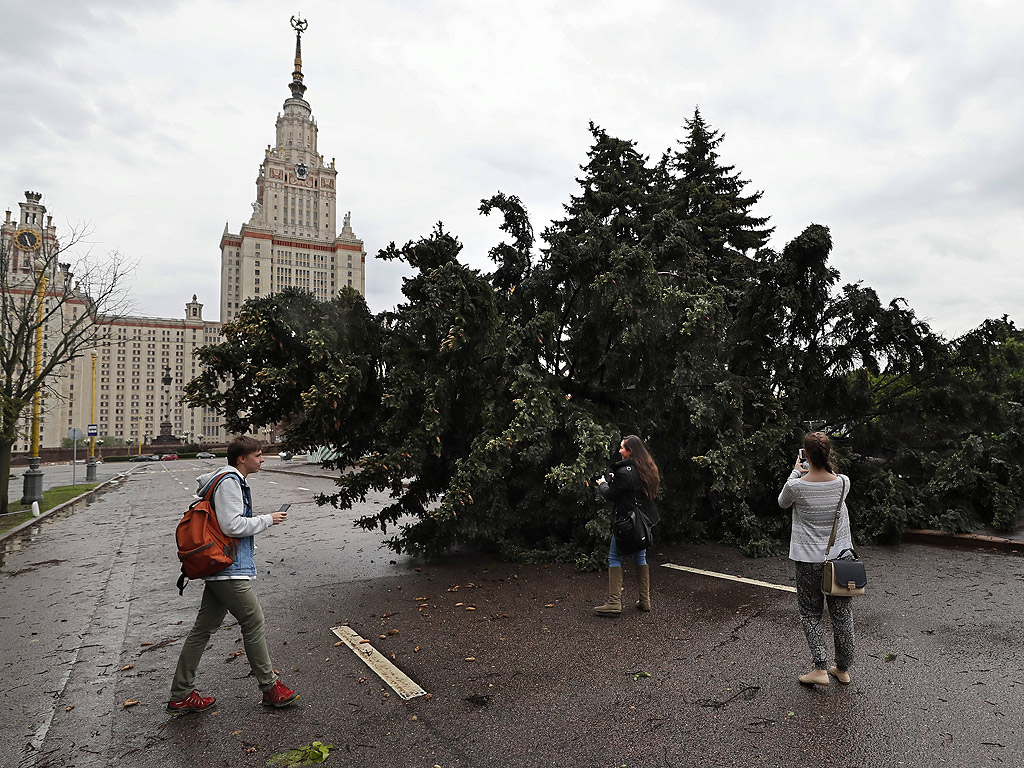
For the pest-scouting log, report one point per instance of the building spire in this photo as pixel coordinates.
(299, 25)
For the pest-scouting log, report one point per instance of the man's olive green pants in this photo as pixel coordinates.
(237, 597)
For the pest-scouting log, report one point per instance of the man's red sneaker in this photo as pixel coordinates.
(191, 703)
(279, 696)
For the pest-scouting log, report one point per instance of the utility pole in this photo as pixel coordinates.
(32, 489)
(90, 465)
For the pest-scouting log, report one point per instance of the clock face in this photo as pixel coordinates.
(301, 171)
(26, 239)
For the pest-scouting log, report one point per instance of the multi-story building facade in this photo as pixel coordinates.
(143, 363)
(291, 239)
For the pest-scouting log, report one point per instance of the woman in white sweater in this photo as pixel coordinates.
(814, 490)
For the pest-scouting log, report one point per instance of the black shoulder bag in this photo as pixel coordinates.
(844, 575)
(633, 531)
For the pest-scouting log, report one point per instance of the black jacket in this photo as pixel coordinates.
(623, 486)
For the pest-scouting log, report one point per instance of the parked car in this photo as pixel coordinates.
(169, 457)
(205, 455)
(141, 457)
(154, 457)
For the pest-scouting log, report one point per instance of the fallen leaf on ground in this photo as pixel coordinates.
(340, 642)
(130, 703)
(392, 631)
(470, 607)
(126, 667)
(416, 649)
(471, 658)
(145, 644)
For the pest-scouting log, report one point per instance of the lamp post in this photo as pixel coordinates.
(90, 464)
(166, 425)
(32, 489)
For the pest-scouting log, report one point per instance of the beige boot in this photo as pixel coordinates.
(814, 677)
(614, 605)
(643, 582)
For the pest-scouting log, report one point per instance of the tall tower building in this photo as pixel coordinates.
(291, 239)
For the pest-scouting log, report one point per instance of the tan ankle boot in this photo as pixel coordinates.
(643, 581)
(814, 677)
(614, 605)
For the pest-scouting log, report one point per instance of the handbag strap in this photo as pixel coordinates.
(835, 523)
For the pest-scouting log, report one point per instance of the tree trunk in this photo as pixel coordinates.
(5, 474)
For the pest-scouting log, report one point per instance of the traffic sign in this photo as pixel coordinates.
(94, 430)
(74, 434)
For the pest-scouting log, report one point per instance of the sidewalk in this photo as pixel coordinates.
(61, 474)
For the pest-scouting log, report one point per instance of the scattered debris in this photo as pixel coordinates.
(317, 752)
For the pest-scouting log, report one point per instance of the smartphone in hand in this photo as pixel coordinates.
(284, 508)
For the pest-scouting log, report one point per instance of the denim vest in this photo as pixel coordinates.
(244, 564)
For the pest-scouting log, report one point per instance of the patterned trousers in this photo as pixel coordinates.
(809, 600)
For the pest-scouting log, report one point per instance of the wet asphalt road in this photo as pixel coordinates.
(90, 619)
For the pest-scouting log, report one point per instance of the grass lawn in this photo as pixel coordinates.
(53, 497)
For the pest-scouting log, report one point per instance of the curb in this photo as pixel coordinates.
(972, 540)
(295, 472)
(32, 521)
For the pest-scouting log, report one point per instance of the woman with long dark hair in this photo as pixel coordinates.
(635, 476)
(814, 491)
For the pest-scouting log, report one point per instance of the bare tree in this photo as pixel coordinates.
(82, 292)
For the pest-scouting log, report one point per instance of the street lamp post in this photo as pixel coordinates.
(90, 465)
(32, 489)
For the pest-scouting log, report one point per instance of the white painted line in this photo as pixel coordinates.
(401, 683)
(755, 582)
(300, 488)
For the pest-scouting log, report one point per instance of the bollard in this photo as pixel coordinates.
(35, 509)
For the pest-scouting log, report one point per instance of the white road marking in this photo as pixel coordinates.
(755, 582)
(400, 683)
(39, 737)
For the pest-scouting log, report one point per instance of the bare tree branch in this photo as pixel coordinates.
(84, 292)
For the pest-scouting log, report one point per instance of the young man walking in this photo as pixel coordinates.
(230, 590)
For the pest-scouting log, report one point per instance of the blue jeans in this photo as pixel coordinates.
(615, 557)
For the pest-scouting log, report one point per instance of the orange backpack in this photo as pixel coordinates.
(202, 547)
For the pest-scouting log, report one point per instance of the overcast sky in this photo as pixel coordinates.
(896, 124)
